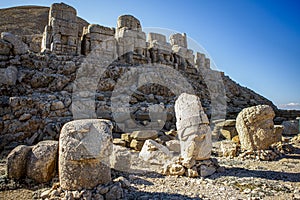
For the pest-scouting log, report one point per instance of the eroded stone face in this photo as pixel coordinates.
(129, 22)
(192, 127)
(255, 127)
(84, 150)
(178, 39)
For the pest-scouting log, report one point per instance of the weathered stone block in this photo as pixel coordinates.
(154, 153)
(129, 22)
(84, 150)
(42, 161)
(137, 144)
(9, 75)
(158, 37)
(290, 127)
(119, 141)
(178, 39)
(19, 47)
(5, 47)
(144, 135)
(120, 158)
(16, 162)
(173, 145)
(96, 28)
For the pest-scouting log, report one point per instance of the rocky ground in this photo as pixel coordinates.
(242, 179)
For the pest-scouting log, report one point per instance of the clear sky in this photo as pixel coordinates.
(255, 42)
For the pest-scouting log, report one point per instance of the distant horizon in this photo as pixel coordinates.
(255, 43)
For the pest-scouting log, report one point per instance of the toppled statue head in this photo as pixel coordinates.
(255, 127)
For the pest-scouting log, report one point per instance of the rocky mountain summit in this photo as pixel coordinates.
(94, 112)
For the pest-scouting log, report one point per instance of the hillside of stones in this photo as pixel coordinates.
(37, 74)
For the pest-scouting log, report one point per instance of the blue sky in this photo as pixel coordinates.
(255, 42)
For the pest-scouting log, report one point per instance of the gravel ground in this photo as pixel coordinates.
(242, 179)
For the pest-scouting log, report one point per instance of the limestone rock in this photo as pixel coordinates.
(120, 158)
(25, 117)
(192, 173)
(84, 150)
(278, 130)
(126, 137)
(144, 135)
(16, 162)
(9, 75)
(172, 132)
(178, 39)
(207, 170)
(201, 167)
(290, 127)
(19, 47)
(173, 145)
(228, 133)
(256, 128)
(57, 105)
(226, 129)
(128, 21)
(229, 148)
(42, 161)
(154, 153)
(136, 144)
(119, 141)
(176, 169)
(5, 47)
(192, 127)
(115, 192)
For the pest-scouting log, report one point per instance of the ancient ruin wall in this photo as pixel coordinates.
(36, 88)
(28, 22)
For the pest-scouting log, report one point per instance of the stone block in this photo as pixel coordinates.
(178, 39)
(84, 150)
(119, 141)
(5, 47)
(158, 37)
(154, 153)
(120, 158)
(129, 21)
(19, 47)
(290, 127)
(173, 145)
(42, 161)
(137, 144)
(9, 75)
(144, 135)
(16, 162)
